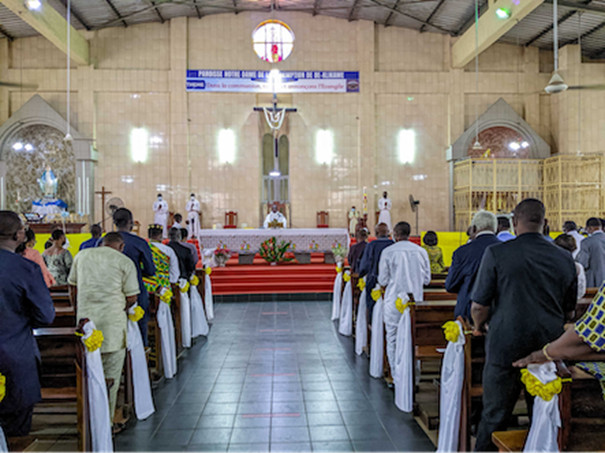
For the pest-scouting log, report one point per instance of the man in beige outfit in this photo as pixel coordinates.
(104, 282)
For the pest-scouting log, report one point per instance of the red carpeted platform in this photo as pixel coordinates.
(262, 278)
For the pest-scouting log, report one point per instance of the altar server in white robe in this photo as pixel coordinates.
(404, 268)
(193, 217)
(275, 216)
(384, 205)
(160, 210)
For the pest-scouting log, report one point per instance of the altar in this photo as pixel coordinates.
(302, 240)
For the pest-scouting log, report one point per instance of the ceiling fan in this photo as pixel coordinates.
(556, 83)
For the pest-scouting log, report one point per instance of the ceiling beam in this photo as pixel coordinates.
(439, 5)
(316, 7)
(584, 35)
(470, 19)
(50, 24)
(549, 28)
(491, 29)
(353, 11)
(586, 8)
(76, 15)
(387, 21)
(409, 16)
(4, 33)
(157, 11)
(197, 9)
(235, 6)
(116, 12)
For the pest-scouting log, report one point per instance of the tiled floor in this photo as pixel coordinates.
(274, 376)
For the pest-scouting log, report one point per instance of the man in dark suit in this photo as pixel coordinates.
(139, 251)
(525, 290)
(368, 267)
(185, 256)
(466, 261)
(592, 253)
(25, 304)
(356, 251)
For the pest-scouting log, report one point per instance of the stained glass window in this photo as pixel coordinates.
(273, 41)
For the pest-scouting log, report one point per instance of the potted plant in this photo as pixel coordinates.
(222, 255)
(273, 252)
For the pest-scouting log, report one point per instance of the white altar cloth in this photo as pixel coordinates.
(315, 240)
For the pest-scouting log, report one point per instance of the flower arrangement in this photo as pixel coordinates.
(222, 255)
(272, 252)
(339, 252)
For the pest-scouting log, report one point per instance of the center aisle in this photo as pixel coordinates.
(274, 376)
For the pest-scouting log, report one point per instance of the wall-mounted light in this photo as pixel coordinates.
(274, 173)
(503, 13)
(33, 5)
(18, 146)
(29, 147)
(324, 146)
(226, 146)
(139, 144)
(406, 146)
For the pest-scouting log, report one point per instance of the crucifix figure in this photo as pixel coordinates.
(274, 117)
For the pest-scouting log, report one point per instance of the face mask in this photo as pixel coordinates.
(159, 198)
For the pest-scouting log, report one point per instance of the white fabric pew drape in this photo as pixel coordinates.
(199, 325)
(546, 419)
(346, 309)
(143, 401)
(450, 397)
(185, 314)
(3, 445)
(336, 296)
(361, 325)
(403, 371)
(98, 403)
(167, 339)
(377, 341)
(208, 298)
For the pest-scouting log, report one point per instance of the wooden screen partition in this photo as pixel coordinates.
(323, 219)
(230, 219)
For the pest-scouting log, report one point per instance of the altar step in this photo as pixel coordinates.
(266, 279)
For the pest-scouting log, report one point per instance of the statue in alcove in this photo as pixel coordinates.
(49, 205)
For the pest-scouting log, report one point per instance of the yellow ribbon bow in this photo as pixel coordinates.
(376, 294)
(451, 330)
(184, 287)
(2, 386)
(346, 277)
(338, 269)
(94, 341)
(536, 388)
(401, 306)
(137, 315)
(194, 280)
(208, 270)
(361, 284)
(166, 295)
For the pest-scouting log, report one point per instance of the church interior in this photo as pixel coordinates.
(305, 121)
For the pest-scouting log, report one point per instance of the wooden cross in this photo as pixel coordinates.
(103, 192)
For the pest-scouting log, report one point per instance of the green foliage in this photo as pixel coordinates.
(273, 252)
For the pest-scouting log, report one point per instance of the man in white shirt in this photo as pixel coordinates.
(193, 217)
(571, 229)
(404, 268)
(384, 205)
(160, 210)
(275, 216)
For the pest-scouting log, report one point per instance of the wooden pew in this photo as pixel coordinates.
(582, 410)
(64, 390)
(156, 366)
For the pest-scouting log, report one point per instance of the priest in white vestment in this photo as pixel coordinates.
(160, 210)
(275, 216)
(384, 205)
(193, 217)
(404, 268)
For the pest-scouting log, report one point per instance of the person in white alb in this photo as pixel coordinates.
(193, 217)
(384, 205)
(275, 216)
(404, 268)
(160, 210)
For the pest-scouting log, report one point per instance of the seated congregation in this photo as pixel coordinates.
(505, 350)
(82, 340)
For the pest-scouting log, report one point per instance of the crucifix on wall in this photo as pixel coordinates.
(274, 117)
